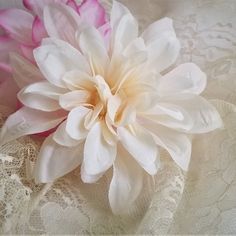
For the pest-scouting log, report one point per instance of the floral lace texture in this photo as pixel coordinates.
(200, 201)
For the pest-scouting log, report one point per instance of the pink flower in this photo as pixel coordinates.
(24, 30)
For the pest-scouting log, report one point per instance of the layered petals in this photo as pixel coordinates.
(177, 144)
(92, 12)
(7, 45)
(93, 47)
(141, 145)
(19, 29)
(42, 96)
(54, 60)
(104, 93)
(29, 121)
(38, 30)
(23, 71)
(62, 22)
(37, 6)
(126, 182)
(98, 154)
(204, 116)
(74, 99)
(162, 44)
(62, 138)
(186, 78)
(124, 27)
(75, 125)
(55, 160)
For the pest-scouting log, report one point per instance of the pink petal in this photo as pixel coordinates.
(62, 22)
(38, 30)
(92, 12)
(7, 45)
(27, 52)
(105, 31)
(18, 24)
(72, 4)
(36, 6)
(8, 88)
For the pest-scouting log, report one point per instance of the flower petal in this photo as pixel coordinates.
(71, 100)
(7, 45)
(55, 161)
(55, 59)
(98, 154)
(141, 145)
(124, 27)
(126, 182)
(204, 115)
(93, 47)
(157, 29)
(177, 144)
(105, 31)
(75, 123)
(38, 30)
(77, 79)
(38, 6)
(92, 13)
(29, 121)
(61, 22)
(162, 44)
(8, 88)
(61, 136)
(108, 135)
(41, 96)
(170, 115)
(87, 178)
(23, 71)
(186, 78)
(18, 24)
(93, 115)
(27, 52)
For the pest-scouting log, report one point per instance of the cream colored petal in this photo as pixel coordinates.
(55, 161)
(29, 121)
(77, 79)
(93, 115)
(170, 115)
(57, 58)
(186, 78)
(203, 114)
(124, 27)
(141, 145)
(41, 96)
(177, 144)
(75, 123)
(93, 47)
(62, 138)
(71, 100)
(98, 154)
(162, 44)
(126, 182)
(88, 178)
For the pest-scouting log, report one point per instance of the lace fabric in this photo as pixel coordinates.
(198, 202)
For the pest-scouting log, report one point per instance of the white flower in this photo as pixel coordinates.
(113, 105)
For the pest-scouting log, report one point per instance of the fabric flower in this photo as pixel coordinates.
(24, 30)
(113, 105)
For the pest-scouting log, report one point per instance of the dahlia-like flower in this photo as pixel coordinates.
(24, 30)
(111, 103)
